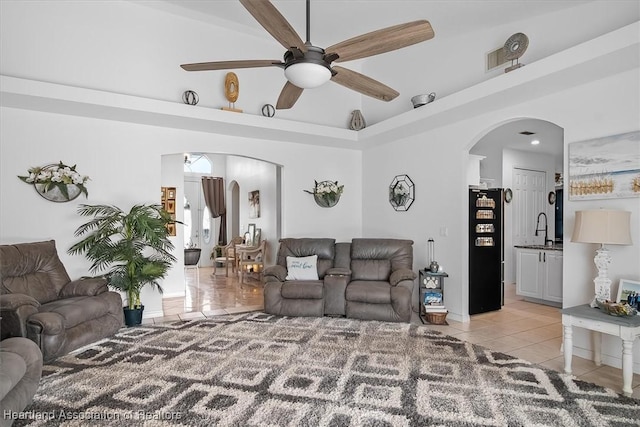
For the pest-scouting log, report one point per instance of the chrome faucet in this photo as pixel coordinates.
(547, 241)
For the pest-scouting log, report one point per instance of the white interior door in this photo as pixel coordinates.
(529, 199)
(200, 228)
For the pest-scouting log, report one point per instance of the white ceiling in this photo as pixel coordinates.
(335, 20)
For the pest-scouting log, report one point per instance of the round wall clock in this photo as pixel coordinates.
(508, 195)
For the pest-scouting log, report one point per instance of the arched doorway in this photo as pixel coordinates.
(508, 157)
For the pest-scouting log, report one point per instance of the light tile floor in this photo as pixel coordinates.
(522, 329)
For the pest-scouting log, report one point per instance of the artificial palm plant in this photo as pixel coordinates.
(131, 249)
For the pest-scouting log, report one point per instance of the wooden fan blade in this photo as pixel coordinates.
(381, 41)
(229, 65)
(363, 84)
(288, 97)
(272, 20)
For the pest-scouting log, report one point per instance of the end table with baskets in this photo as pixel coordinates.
(431, 295)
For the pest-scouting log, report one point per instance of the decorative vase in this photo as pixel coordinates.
(133, 317)
(192, 256)
(54, 194)
(357, 121)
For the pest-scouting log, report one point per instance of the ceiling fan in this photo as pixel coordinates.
(307, 66)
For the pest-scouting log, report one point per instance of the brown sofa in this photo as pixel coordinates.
(364, 279)
(20, 372)
(39, 301)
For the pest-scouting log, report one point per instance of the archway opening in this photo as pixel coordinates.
(522, 158)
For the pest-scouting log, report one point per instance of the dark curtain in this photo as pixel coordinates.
(213, 190)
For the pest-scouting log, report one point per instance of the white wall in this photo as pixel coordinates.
(437, 162)
(125, 163)
(446, 65)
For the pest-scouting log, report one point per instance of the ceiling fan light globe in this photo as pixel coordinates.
(307, 75)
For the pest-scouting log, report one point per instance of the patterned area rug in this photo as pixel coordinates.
(261, 370)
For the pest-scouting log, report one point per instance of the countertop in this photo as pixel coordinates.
(554, 247)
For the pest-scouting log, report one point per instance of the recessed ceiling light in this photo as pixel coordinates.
(535, 142)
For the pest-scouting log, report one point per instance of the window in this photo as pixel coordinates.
(197, 163)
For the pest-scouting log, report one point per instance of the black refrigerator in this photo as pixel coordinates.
(486, 252)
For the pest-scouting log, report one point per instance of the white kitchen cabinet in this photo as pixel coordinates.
(539, 274)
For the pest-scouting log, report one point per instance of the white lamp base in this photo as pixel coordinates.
(602, 282)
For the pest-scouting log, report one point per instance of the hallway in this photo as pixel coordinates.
(532, 332)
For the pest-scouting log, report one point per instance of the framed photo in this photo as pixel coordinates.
(163, 193)
(627, 289)
(171, 193)
(252, 233)
(257, 237)
(172, 229)
(171, 206)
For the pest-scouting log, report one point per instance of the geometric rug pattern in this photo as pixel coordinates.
(261, 370)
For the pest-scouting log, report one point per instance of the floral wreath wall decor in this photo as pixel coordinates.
(57, 183)
(401, 193)
(326, 193)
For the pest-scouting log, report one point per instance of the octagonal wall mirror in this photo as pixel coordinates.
(401, 193)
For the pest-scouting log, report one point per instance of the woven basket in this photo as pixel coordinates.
(437, 318)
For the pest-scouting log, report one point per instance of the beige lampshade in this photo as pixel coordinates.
(602, 226)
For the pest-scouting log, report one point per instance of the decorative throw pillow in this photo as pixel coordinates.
(302, 268)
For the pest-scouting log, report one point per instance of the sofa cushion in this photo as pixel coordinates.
(376, 259)
(369, 291)
(323, 248)
(303, 289)
(77, 310)
(302, 268)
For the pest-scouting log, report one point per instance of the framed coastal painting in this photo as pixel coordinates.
(605, 168)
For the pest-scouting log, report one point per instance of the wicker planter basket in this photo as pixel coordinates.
(437, 318)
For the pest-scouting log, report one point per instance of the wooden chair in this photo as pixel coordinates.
(228, 256)
(252, 258)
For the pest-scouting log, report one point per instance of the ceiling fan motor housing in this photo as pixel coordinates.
(307, 69)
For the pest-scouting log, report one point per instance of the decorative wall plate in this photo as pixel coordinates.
(515, 46)
(401, 193)
(551, 197)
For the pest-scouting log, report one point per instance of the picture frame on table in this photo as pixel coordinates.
(626, 288)
(251, 231)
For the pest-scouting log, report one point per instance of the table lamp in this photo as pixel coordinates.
(605, 227)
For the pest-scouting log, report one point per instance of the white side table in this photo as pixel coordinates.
(593, 319)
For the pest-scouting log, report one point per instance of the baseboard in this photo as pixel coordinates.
(615, 362)
(157, 313)
(173, 294)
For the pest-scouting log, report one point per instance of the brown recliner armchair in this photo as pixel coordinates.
(382, 280)
(20, 372)
(39, 301)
